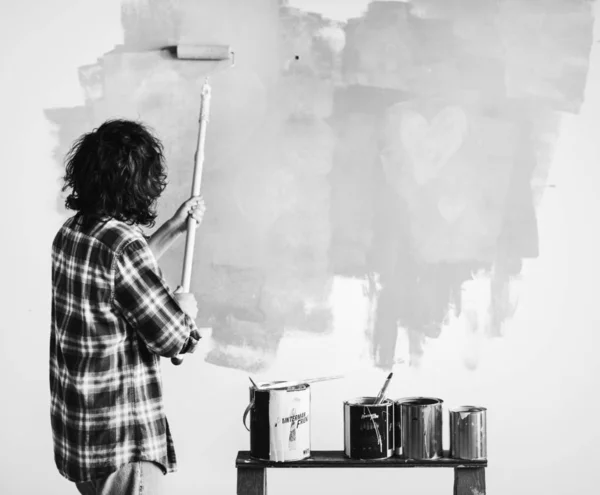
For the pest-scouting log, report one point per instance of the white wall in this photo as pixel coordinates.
(539, 381)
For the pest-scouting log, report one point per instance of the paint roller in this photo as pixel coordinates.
(217, 53)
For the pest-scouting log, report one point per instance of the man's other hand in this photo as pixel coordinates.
(188, 303)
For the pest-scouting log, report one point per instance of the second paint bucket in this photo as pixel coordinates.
(368, 428)
(419, 428)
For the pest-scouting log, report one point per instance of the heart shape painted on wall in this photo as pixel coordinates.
(451, 207)
(429, 145)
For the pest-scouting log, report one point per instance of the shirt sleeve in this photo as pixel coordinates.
(145, 301)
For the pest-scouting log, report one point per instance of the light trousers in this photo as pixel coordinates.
(136, 478)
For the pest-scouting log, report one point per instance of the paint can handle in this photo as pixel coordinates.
(246, 413)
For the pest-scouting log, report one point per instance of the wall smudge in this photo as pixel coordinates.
(408, 146)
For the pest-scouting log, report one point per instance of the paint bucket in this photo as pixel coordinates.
(468, 433)
(279, 423)
(368, 428)
(419, 428)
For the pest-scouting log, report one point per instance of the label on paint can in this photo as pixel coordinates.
(289, 427)
(368, 429)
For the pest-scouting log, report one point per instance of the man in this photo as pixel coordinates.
(113, 315)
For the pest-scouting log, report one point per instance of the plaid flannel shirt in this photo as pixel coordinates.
(113, 316)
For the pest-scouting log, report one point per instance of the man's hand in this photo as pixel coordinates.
(169, 231)
(193, 207)
(188, 303)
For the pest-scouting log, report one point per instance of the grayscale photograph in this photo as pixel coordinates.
(290, 247)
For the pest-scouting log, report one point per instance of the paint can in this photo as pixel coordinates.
(419, 428)
(279, 423)
(368, 428)
(468, 433)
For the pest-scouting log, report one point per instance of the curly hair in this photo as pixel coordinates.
(118, 171)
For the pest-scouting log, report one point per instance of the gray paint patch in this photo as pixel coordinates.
(408, 146)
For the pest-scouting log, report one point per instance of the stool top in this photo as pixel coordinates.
(337, 458)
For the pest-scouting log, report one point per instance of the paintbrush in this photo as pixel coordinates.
(299, 382)
(381, 393)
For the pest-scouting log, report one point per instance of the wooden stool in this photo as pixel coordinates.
(469, 476)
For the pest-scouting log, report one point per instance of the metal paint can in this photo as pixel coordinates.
(468, 433)
(419, 428)
(279, 423)
(368, 428)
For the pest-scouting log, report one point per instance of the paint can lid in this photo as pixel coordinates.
(419, 401)
(367, 401)
(467, 409)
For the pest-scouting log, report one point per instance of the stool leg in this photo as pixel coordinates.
(469, 481)
(251, 481)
